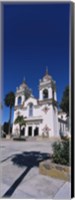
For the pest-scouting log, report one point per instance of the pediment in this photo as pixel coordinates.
(30, 100)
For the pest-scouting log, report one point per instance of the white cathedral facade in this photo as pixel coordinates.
(41, 115)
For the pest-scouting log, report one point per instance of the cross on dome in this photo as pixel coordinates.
(46, 70)
(24, 80)
(46, 76)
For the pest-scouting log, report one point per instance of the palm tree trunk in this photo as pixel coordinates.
(10, 114)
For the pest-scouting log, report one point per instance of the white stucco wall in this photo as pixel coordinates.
(49, 118)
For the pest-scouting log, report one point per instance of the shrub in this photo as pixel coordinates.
(61, 152)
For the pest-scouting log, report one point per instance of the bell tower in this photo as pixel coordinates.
(47, 88)
(22, 94)
(48, 102)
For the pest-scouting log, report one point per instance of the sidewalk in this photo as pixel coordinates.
(36, 186)
(20, 177)
(64, 192)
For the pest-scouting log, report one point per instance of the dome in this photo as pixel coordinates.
(47, 77)
(23, 84)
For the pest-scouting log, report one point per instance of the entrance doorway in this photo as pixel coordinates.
(29, 131)
(23, 132)
(36, 131)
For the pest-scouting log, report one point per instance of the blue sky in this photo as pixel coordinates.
(35, 36)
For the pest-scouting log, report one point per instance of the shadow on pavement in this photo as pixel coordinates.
(29, 160)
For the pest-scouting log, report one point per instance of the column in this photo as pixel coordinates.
(40, 130)
(32, 130)
(26, 130)
(40, 95)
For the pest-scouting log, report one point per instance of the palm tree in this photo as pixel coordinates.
(9, 102)
(20, 120)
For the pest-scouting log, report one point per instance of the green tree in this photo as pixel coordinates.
(9, 102)
(64, 105)
(20, 120)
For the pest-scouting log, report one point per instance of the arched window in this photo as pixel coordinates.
(19, 100)
(45, 94)
(30, 109)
